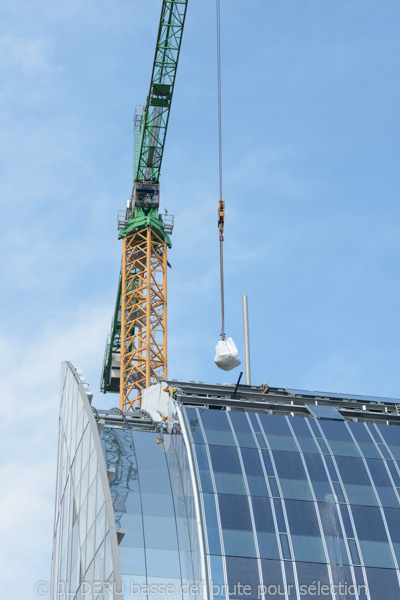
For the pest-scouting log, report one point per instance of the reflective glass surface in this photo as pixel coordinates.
(317, 504)
(82, 548)
(154, 504)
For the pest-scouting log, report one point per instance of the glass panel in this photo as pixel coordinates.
(202, 458)
(302, 517)
(272, 578)
(310, 573)
(225, 459)
(125, 479)
(239, 421)
(290, 581)
(128, 502)
(295, 489)
(361, 494)
(335, 430)
(383, 583)
(275, 424)
(266, 456)
(330, 519)
(274, 487)
(268, 545)
(354, 552)
(134, 588)
(376, 554)
(183, 528)
(210, 510)
(214, 419)
(343, 448)
(308, 548)
(220, 438)
(369, 450)
(378, 472)
(100, 527)
(338, 491)
(214, 543)
(352, 470)
(337, 550)
(246, 440)
(162, 563)
(229, 484)
(285, 546)
(206, 482)
(331, 467)
(308, 445)
(323, 446)
(359, 431)
(160, 532)
(393, 521)
(154, 481)
(132, 560)
(108, 560)
(289, 465)
(133, 526)
(239, 543)
(342, 574)
(278, 442)
(165, 587)
(90, 545)
(148, 453)
(369, 523)
(279, 515)
(91, 504)
(261, 440)
(396, 548)
(323, 491)
(324, 412)
(300, 427)
(390, 434)
(252, 462)
(254, 421)
(385, 451)
(234, 512)
(99, 564)
(315, 467)
(152, 505)
(245, 572)
(263, 514)
(348, 527)
(388, 496)
(393, 471)
(257, 486)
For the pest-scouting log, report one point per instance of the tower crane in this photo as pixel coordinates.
(136, 350)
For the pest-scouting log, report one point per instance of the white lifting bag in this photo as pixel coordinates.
(227, 357)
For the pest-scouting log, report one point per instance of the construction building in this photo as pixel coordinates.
(237, 494)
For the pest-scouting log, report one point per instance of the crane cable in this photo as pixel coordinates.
(221, 203)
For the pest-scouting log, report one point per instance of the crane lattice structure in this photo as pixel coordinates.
(136, 351)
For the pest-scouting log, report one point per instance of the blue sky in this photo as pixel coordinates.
(311, 146)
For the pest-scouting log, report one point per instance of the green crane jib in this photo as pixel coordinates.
(150, 129)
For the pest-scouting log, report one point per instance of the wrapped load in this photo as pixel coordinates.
(227, 356)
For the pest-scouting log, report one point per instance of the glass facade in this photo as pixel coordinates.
(238, 504)
(84, 546)
(153, 502)
(298, 508)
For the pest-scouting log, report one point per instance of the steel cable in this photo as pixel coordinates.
(221, 206)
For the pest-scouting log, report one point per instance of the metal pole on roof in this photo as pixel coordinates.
(246, 339)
